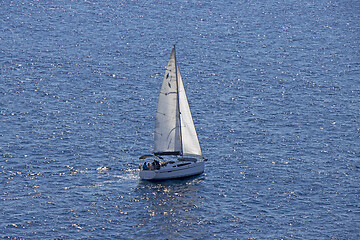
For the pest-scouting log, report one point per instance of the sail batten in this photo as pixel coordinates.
(175, 132)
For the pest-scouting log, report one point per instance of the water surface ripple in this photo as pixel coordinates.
(274, 88)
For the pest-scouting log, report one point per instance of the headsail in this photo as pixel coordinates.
(190, 141)
(175, 132)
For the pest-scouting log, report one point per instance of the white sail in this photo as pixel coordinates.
(190, 142)
(175, 132)
(167, 131)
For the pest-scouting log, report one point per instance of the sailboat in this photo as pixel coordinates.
(175, 135)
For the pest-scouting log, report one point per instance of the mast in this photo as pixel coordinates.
(178, 102)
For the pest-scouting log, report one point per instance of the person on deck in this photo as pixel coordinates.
(149, 165)
(145, 167)
(156, 164)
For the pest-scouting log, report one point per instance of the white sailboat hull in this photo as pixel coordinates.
(175, 170)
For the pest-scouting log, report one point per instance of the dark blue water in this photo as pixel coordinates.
(274, 87)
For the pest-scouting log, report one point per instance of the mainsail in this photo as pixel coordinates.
(175, 132)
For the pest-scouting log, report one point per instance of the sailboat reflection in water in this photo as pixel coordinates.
(175, 133)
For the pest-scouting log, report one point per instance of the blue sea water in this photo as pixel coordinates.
(274, 88)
